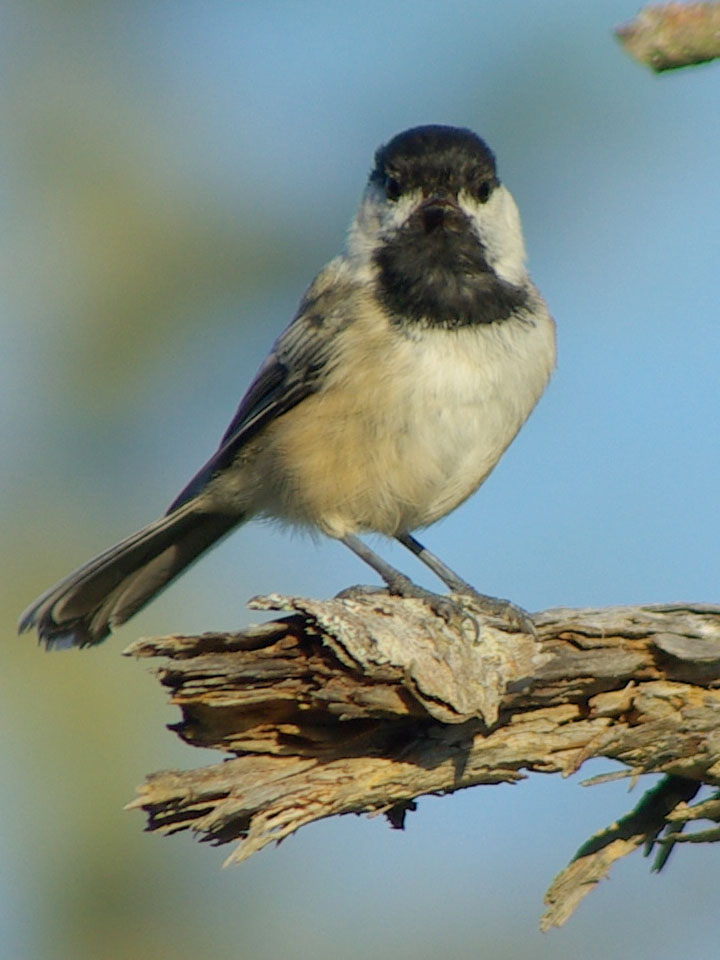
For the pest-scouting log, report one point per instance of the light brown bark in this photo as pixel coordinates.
(364, 704)
(666, 36)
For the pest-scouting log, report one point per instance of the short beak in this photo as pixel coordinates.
(436, 209)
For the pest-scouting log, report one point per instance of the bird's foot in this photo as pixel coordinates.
(506, 610)
(360, 590)
(401, 586)
(448, 608)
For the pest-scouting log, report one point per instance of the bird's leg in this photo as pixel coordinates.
(493, 606)
(399, 584)
(440, 569)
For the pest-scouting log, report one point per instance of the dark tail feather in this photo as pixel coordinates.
(105, 592)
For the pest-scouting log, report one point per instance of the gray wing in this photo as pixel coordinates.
(294, 369)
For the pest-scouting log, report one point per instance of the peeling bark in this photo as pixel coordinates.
(364, 704)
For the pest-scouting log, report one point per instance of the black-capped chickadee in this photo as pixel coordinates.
(412, 362)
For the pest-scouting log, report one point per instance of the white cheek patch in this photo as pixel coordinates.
(377, 218)
(497, 225)
(397, 213)
(389, 216)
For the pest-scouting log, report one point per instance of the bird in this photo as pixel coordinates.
(414, 358)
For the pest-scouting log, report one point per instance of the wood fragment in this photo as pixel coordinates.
(593, 861)
(364, 704)
(672, 35)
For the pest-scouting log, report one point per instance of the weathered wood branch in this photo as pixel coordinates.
(364, 704)
(670, 35)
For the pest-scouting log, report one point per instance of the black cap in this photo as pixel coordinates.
(436, 157)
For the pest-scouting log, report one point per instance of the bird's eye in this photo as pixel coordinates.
(484, 191)
(392, 189)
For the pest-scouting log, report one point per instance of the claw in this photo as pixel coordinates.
(503, 610)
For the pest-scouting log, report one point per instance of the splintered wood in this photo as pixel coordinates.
(363, 704)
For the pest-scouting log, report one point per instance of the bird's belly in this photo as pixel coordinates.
(398, 443)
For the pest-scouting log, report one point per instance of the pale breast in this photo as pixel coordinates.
(405, 428)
